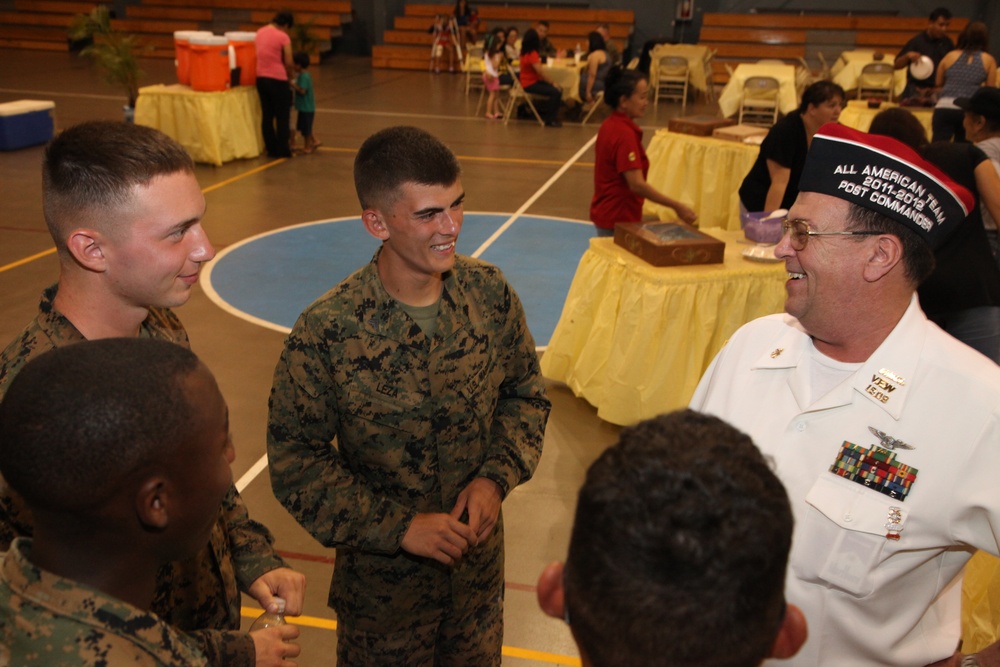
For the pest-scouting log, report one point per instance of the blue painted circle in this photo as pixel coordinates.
(272, 277)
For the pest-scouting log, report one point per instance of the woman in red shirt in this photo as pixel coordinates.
(620, 163)
(535, 81)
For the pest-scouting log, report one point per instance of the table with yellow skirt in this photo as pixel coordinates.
(634, 339)
(859, 115)
(214, 127)
(702, 172)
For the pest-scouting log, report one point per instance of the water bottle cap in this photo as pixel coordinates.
(281, 604)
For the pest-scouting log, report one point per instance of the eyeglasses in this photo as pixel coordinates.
(799, 233)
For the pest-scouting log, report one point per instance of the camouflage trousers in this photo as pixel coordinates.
(461, 638)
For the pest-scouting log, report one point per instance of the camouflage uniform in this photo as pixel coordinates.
(416, 419)
(200, 595)
(51, 621)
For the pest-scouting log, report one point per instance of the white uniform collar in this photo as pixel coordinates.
(884, 379)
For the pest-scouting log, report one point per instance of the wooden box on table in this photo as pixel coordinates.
(669, 243)
(741, 133)
(699, 126)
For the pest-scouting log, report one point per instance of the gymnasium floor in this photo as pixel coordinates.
(538, 179)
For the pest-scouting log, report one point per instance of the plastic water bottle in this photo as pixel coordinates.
(267, 619)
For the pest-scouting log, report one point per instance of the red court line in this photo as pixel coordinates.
(294, 555)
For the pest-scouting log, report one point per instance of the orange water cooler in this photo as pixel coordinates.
(209, 63)
(182, 53)
(244, 44)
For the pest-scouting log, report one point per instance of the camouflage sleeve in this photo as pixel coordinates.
(308, 473)
(522, 407)
(250, 542)
(225, 648)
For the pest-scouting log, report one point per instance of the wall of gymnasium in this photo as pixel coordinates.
(655, 19)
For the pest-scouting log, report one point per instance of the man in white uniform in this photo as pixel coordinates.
(884, 429)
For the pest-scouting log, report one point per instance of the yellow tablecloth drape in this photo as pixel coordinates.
(788, 98)
(981, 603)
(213, 127)
(857, 115)
(634, 339)
(695, 55)
(702, 172)
(566, 73)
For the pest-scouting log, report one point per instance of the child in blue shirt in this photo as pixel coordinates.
(305, 102)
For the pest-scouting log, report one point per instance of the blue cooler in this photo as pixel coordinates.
(26, 123)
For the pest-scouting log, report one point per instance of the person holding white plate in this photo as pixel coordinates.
(931, 44)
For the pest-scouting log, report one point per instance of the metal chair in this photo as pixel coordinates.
(759, 102)
(598, 101)
(672, 78)
(710, 75)
(876, 80)
(517, 92)
(474, 67)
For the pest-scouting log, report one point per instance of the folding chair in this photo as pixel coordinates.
(709, 75)
(474, 67)
(517, 92)
(598, 101)
(632, 64)
(672, 78)
(759, 102)
(876, 80)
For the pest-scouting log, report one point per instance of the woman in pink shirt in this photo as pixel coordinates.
(274, 62)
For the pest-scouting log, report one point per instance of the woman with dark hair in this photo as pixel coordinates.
(598, 63)
(962, 295)
(620, 162)
(960, 74)
(773, 181)
(536, 81)
(274, 65)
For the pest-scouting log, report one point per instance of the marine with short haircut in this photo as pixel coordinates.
(124, 209)
(678, 552)
(406, 405)
(121, 449)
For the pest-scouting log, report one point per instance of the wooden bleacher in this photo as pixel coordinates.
(740, 38)
(407, 45)
(42, 24)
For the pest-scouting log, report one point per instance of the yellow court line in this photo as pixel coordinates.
(255, 170)
(474, 158)
(14, 265)
(510, 651)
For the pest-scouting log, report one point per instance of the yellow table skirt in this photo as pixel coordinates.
(634, 339)
(702, 172)
(981, 603)
(213, 127)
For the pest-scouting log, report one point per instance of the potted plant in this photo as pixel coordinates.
(304, 40)
(114, 53)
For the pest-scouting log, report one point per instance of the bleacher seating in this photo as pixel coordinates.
(742, 38)
(42, 24)
(407, 45)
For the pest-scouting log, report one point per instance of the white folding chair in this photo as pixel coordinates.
(474, 67)
(876, 80)
(759, 102)
(672, 78)
(516, 93)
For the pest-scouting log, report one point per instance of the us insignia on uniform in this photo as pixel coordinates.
(877, 468)
(893, 524)
(777, 352)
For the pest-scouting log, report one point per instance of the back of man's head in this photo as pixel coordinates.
(79, 422)
(398, 155)
(679, 548)
(91, 170)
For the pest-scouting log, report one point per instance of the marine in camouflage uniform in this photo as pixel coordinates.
(199, 595)
(51, 621)
(415, 419)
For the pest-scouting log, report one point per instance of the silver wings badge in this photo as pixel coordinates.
(888, 441)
